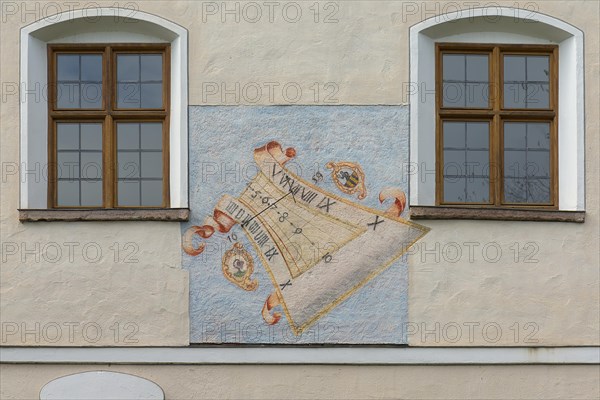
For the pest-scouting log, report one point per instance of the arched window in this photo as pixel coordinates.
(104, 116)
(490, 90)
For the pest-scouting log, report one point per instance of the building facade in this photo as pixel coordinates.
(309, 199)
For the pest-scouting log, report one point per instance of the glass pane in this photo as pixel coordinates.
(538, 136)
(478, 136)
(477, 95)
(152, 193)
(538, 68)
(67, 95)
(67, 67)
(91, 165)
(454, 190)
(68, 193)
(152, 164)
(454, 94)
(454, 134)
(527, 163)
(538, 164)
(128, 136)
(477, 68)
(91, 95)
(128, 95)
(91, 68)
(68, 165)
(128, 68)
(91, 136)
(515, 190)
(526, 81)
(151, 67)
(129, 193)
(151, 95)
(91, 193)
(151, 136)
(67, 136)
(514, 69)
(515, 134)
(515, 163)
(454, 162)
(478, 190)
(538, 190)
(538, 95)
(129, 164)
(454, 67)
(477, 163)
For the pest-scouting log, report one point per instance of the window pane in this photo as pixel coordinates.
(152, 193)
(128, 136)
(79, 81)
(68, 193)
(526, 81)
(465, 80)
(478, 190)
(91, 136)
(478, 136)
(477, 95)
(466, 161)
(538, 190)
(151, 67)
(128, 68)
(454, 67)
(527, 162)
(454, 135)
(67, 67)
(68, 165)
(477, 68)
(91, 95)
(67, 95)
(151, 96)
(67, 136)
(139, 81)
(454, 190)
(91, 165)
(152, 165)
(128, 95)
(454, 94)
(538, 95)
(91, 68)
(538, 68)
(151, 136)
(91, 193)
(129, 164)
(129, 193)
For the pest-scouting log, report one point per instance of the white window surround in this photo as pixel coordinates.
(98, 25)
(498, 25)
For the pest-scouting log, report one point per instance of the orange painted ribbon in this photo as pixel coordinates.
(272, 301)
(397, 207)
(219, 222)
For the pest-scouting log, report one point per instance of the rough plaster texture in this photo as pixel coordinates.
(222, 140)
(332, 382)
(366, 55)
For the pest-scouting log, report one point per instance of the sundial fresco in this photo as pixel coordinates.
(317, 247)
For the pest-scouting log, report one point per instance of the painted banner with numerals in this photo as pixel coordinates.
(318, 248)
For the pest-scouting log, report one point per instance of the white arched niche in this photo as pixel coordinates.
(506, 26)
(96, 25)
(101, 385)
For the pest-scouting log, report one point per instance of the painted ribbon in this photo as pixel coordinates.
(397, 207)
(272, 301)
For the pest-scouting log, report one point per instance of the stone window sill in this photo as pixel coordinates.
(500, 214)
(121, 214)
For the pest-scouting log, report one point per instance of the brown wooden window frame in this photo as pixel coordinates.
(109, 115)
(496, 115)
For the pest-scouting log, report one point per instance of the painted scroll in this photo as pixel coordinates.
(318, 248)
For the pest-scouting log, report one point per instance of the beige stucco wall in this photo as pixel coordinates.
(365, 56)
(332, 382)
